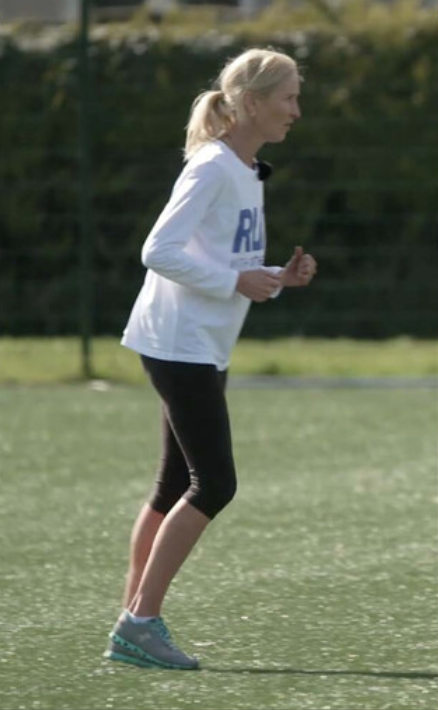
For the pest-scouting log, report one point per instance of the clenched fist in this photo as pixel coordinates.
(299, 270)
(258, 284)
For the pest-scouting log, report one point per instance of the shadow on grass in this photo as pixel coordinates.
(419, 675)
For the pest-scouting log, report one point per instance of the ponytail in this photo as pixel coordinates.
(210, 118)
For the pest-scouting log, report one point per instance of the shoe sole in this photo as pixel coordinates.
(115, 656)
(140, 657)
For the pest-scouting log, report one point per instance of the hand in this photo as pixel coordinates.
(258, 284)
(300, 270)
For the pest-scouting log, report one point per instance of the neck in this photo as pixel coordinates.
(243, 144)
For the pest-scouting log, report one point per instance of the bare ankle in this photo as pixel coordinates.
(139, 609)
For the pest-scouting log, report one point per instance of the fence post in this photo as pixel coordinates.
(85, 275)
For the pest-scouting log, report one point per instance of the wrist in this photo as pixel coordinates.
(282, 275)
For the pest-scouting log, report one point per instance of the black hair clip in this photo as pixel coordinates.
(264, 170)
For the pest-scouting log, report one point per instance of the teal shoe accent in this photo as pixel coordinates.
(139, 652)
(139, 662)
(138, 656)
(148, 645)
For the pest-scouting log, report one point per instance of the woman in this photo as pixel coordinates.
(205, 261)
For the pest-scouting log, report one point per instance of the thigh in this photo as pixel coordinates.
(172, 457)
(195, 405)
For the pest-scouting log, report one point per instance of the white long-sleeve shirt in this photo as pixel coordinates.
(212, 228)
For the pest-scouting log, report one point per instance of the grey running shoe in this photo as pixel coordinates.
(148, 645)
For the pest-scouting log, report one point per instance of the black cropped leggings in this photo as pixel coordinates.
(197, 459)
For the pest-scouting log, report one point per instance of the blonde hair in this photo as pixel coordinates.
(214, 112)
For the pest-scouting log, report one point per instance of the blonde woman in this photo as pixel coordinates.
(205, 264)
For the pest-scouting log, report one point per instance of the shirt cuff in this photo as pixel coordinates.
(274, 270)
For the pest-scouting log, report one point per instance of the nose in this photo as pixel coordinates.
(296, 112)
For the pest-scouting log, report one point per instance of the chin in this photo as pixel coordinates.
(277, 138)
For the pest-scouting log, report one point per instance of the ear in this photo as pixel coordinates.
(250, 103)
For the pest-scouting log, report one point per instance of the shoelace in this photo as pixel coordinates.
(165, 633)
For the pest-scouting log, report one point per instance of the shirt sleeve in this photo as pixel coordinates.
(164, 250)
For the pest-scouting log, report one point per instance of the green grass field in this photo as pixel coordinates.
(314, 590)
(48, 360)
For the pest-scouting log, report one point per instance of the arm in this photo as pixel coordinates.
(165, 248)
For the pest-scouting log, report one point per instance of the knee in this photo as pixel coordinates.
(211, 494)
(223, 494)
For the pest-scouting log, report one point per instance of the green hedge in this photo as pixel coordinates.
(355, 181)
